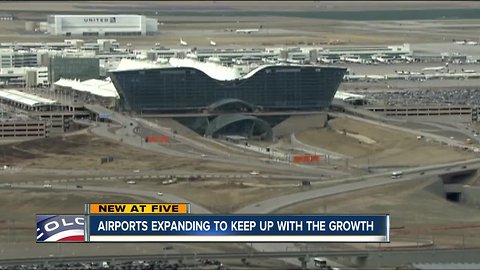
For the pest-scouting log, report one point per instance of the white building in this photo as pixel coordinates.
(24, 76)
(100, 25)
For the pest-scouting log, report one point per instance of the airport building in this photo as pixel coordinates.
(91, 91)
(189, 85)
(82, 68)
(220, 98)
(101, 25)
(19, 58)
(24, 76)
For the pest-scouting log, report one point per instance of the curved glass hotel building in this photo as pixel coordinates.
(184, 85)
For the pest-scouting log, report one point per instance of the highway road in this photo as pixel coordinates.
(345, 185)
(154, 175)
(455, 127)
(426, 253)
(168, 198)
(273, 204)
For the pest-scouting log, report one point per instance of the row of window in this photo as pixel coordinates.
(23, 135)
(430, 114)
(421, 109)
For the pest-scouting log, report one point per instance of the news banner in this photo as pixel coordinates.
(174, 223)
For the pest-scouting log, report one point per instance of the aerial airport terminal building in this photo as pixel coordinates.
(101, 25)
(218, 99)
(184, 85)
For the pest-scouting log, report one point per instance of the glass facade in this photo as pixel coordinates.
(73, 68)
(189, 89)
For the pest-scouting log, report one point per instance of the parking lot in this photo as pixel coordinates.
(420, 97)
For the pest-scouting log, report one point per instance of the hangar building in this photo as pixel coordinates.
(101, 25)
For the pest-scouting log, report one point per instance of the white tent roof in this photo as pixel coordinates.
(103, 88)
(347, 96)
(128, 64)
(25, 98)
(213, 70)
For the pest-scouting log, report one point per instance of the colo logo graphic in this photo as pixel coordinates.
(60, 228)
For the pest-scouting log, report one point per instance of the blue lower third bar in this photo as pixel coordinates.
(239, 228)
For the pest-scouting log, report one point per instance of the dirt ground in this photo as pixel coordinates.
(78, 156)
(416, 214)
(220, 196)
(391, 147)
(85, 151)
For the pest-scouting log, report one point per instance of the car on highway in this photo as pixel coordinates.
(136, 171)
(131, 182)
(79, 186)
(6, 185)
(422, 173)
(159, 193)
(464, 166)
(254, 173)
(397, 174)
(47, 186)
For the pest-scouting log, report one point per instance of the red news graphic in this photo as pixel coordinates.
(158, 139)
(306, 158)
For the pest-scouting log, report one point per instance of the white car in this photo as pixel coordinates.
(136, 171)
(254, 173)
(131, 182)
(47, 186)
(159, 193)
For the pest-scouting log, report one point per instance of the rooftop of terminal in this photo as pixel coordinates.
(25, 98)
